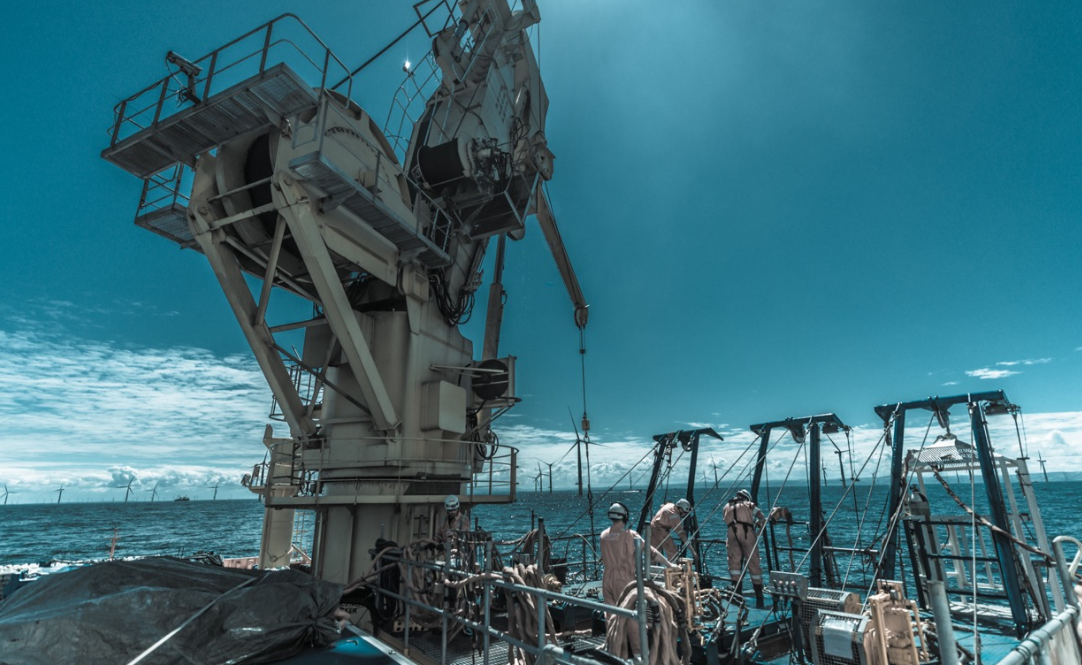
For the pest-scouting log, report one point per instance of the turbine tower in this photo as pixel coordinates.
(1042, 462)
(153, 492)
(60, 494)
(215, 488)
(6, 494)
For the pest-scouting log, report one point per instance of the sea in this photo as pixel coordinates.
(44, 533)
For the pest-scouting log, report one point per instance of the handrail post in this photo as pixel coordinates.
(487, 597)
(406, 628)
(119, 122)
(210, 75)
(323, 76)
(266, 47)
(541, 604)
(640, 604)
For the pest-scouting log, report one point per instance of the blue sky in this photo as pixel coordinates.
(775, 209)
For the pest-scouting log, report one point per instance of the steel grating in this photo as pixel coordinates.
(237, 110)
(170, 223)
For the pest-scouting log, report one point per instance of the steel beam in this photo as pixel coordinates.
(305, 230)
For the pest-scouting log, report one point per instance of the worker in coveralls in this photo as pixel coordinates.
(446, 531)
(618, 559)
(670, 518)
(745, 521)
(618, 554)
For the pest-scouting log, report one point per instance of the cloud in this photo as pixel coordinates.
(93, 415)
(951, 383)
(986, 373)
(1034, 361)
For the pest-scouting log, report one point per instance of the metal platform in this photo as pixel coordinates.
(316, 169)
(238, 110)
(170, 223)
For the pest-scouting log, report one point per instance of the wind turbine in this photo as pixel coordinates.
(714, 465)
(1039, 459)
(841, 466)
(60, 494)
(153, 492)
(6, 493)
(128, 491)
(215, 488)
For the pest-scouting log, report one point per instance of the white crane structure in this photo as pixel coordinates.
(294, 188)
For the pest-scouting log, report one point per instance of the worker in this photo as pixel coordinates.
(618, 554)
(669, 518)
(618, 559)
(455, 520)
(745, 521)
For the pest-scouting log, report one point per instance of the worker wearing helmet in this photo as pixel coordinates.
(618, 559)
(745, 521)
(455, 520)
(618, 554)
(669, 518)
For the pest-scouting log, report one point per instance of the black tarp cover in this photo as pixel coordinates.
(111, 612)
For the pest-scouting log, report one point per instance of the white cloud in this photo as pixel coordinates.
(1033, 361)
(951, 383)
(91, 415)
(986, 373)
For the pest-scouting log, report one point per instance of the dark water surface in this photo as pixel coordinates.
(76, 531)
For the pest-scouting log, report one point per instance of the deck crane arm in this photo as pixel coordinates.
(563, 262)
(494, 319)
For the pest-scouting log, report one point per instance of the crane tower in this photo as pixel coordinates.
(282, 182)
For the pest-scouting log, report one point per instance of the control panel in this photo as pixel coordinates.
(788, 585)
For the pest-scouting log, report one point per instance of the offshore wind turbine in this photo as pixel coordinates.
(215, 488)
(6, 493)
(153, 492)
(60, 494)
(1042, 462)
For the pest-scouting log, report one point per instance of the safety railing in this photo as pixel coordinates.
(165, 191)
(498, 479)
(283, 40)
(481, 581)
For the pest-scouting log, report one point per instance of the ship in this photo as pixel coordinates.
(257, 156)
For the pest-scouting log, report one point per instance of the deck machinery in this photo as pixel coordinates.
(252, 157)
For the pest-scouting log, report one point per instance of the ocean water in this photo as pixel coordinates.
(79, 531)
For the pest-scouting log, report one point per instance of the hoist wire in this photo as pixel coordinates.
(864, 514)
(605, 494)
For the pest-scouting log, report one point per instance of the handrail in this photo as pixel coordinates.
(211, 69)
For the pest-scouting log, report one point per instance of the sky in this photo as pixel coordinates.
(775, 209)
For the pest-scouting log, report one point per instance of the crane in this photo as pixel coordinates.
(287, 184)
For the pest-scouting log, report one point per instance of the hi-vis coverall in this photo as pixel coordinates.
(662, 526)
(618, 556)
(744, 519)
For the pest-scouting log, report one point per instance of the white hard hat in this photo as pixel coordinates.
(451, 503)
(744, 494)
(618, 511)
(683, 505)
